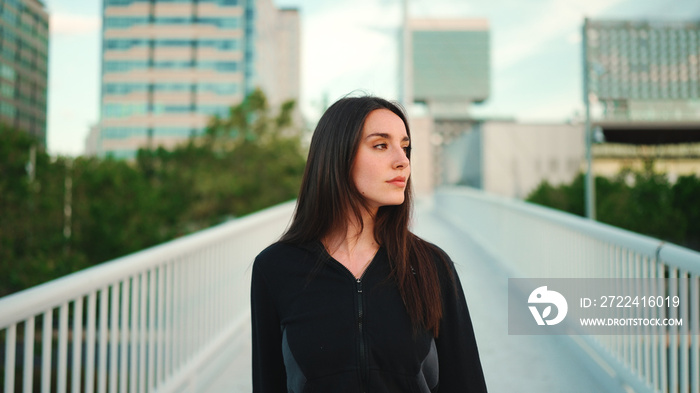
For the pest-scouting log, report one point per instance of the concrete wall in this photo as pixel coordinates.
(517, 157)
(509, 158)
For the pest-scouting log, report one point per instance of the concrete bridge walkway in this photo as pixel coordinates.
(511, 363)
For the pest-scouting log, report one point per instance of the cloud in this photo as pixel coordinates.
(443, 9)
(555, 19)
(74, 24)
(574, 38)
(349, 47)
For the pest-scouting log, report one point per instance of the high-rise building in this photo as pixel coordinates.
(448, 63)
(169, 66)
(277, 49)
(24, 48)
(446, 66)
(642, 79)
(91, 141)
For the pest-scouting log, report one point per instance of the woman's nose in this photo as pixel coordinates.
(401, 160)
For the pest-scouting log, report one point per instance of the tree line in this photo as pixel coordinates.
(60, 214)
(643, 201)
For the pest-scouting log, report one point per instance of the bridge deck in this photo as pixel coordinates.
(511, 363)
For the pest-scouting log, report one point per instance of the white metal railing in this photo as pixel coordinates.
(538, 242)
(150, 321)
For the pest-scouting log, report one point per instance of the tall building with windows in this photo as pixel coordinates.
(169, 66)
(448, 63)
(446, 67)
(641, 79)
(277, 55)
(24, 48)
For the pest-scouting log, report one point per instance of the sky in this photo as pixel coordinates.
(351, 45)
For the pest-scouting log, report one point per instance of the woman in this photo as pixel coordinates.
(349, 300)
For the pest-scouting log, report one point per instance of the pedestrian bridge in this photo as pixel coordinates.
(175, 318)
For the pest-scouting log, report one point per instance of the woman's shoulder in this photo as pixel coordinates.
(282, 253)
(443, 263)
(438, 254)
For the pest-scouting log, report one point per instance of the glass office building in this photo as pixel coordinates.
(643, 70)
(24, 48)
(169, 66)
(449, 60)
(642, 80)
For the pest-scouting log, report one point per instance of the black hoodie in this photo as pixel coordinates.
(317, 328)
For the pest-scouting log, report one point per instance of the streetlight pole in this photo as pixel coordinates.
(405, 71)
(589, 184)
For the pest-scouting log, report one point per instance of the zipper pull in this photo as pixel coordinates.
(359, 285)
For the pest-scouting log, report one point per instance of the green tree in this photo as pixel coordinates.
(114, 209)
(250, 160)
(640, 201)
(247, 161)
(566, 197)
(33, 247)
(686, 197)
(652, 207)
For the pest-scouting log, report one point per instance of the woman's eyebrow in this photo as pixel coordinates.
(386, 136)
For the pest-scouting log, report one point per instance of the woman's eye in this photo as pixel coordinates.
(407, 149)
(381, 146)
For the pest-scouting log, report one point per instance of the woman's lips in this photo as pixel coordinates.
(398, 181)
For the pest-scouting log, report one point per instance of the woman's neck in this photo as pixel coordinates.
(356, 246)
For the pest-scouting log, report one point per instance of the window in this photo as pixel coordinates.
(9, 16)
(121, 154)
(218, 88)
(171, 108)
(7, 90)
(123, 2)
(224, 23)
(125, 88)
(122, 22)
(223, 45)
(14, 3)
(222, 66)
(7, 72)
(9, 37)
(172, 131)
(172, 64)
(124, 66)
(221, 2)
(8, 52)
(173, 21)
(171, 87)
(124, 44)
(214, 110)
(166, 43)
(7, 109)
(122, 132)
(118, 111)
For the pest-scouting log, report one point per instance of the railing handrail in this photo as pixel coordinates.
(671, 254)
(23, 304)
(535, 241)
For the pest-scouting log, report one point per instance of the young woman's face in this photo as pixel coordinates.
(381, 168)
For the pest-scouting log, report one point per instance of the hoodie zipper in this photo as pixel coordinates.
(363, 355)
(364, 362)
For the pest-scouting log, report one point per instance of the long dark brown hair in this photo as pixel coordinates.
(328, 195)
